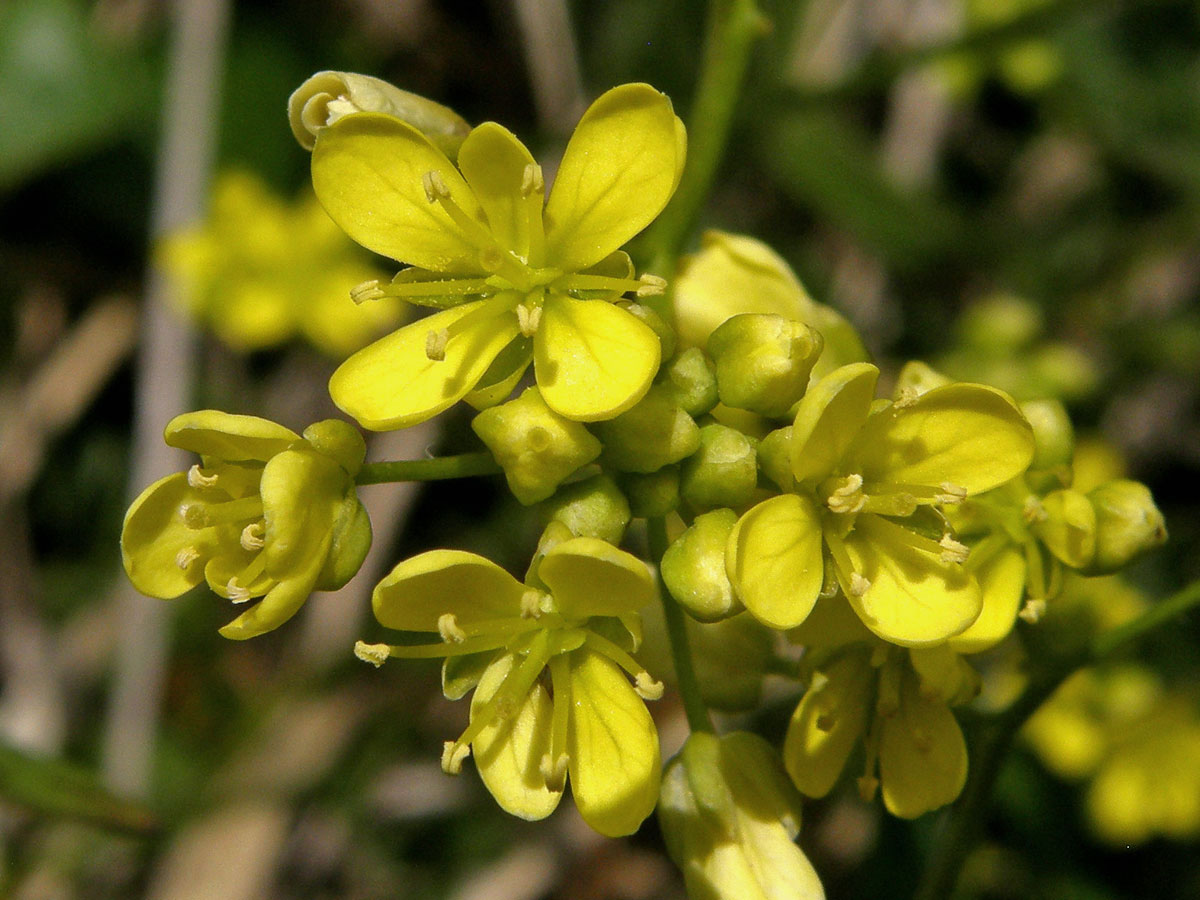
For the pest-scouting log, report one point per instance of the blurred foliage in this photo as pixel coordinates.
(1079, 196)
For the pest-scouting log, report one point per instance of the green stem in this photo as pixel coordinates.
(681, 651)
(995, 738)
(733, 26)
(440, 468)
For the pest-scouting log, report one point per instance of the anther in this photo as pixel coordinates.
(858, 585)
(435, 343)
(905, 398)
(197, 478)
(368, 290)
(185, 557)
(818, 682)
(652, 285)
(1033, 511)
(253, 536)
(528, 318)
(647, 688)
(236, 592)
(847, 497)
(554, 772)
(953, 551)
(453, 754)
(532, 603)
(1033, 610)
(532, 180)
(375, 654)
(950, 494)
(194, 516)
(435, 186)
(449, 630)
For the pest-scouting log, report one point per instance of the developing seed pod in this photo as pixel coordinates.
(722, 472)
(763, 361)
(693, 568)
(1127, 524)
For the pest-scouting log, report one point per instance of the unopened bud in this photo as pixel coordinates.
(693, 568)
(654, 494)
(1128, 523)
(763, 361)
(722, 472)
(1053, 435)
(594, 507)
(1068, 528)
(691, 380)
(656, 432)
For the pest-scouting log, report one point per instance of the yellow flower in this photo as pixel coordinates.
(266, 513)
(514, 279)
(868, 480)
(258, 271)
(527, 733)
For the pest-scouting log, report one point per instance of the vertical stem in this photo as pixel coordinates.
(164, 370)
(681, 651)
(733, 26)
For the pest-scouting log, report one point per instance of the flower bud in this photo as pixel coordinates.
(536, 447)
(328, 96)
(1001, 324)
(722, 472)
(763, 361)
(1053, 435)
(654, 433)
(730, 817)
(775, 457)
(592, 508)
(693, 568)
(340, 441)
(1068, 527)
(1127, 524)
(659, 325)
(917, 378)
(653, 494)
(691, 380)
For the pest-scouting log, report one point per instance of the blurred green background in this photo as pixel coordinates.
(1007, 188)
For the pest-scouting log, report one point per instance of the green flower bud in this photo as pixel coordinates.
(763, 361)
(654, 433)
(730, 817)
(339, 441)
(328, 96)
(693, 568)
(691, 380)
(653, 494)
(592, 508)
(917, 378)
(659, 325)
(722, 472)
(536, 447)
(1066, 524)
(1053, 435)
(775, 458)
(1127, 524)
(1001, 324)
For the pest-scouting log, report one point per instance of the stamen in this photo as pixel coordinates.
(198, 478)
(435, 344)
(1033, 511)
(555, 772)
(436, 191)
(202, 515)
(534, 603)
(646, 687)
(905, 398)
(532, 180)
(887, 699)
(953, 551)
(449, 629)
(847, 496)
(185, 557)
(607, 648)
(368, 290)
(950, 494)
(560, 684)
(254, 536)
(435, 186)
(375, 654)
(453, 754)
(237, 593)
(900, 504)
(529, 318)
(859, 585)
(577, 283)
(652, 285)
(1033, 610)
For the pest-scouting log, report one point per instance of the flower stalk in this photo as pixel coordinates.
(442, 468)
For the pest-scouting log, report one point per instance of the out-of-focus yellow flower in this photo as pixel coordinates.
(528, 733)
(259, 271)
(266, 513)
(515, 279)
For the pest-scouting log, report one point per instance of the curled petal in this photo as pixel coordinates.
(303, 492)
(281, 602)
(590, 577)
(393, 383)
(774, 560)
(829, 418)
(613, 746)
(494, 163)
(154, 537)
(225, 436)
(418, 591)
(618, 172)
(593, 360)
(922, 756)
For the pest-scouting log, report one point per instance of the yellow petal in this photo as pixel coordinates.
(613, 746)
(1069, 530)
(393, 383)
(281, 602)
(369, 171)
(828, 419)
(774, 560)
(508, 751)
(153, 535)
(302, 493)
(913, 599)
(418, 591)
(922, 755)
(1002, 581)
(593, 360)
(618, 172)
(494, 163)
(965, 434)
(590, 577)
(830, 719)
(223, 435)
